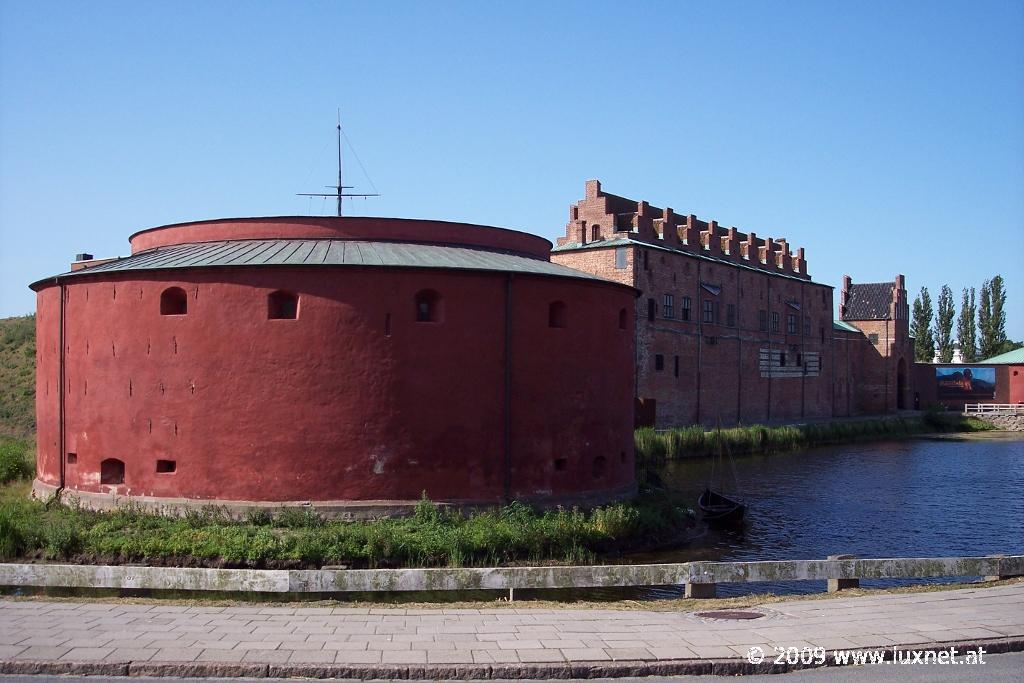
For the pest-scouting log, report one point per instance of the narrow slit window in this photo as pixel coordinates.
(282, 305)
(173, 301)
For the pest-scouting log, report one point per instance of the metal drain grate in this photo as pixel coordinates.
(730, 615)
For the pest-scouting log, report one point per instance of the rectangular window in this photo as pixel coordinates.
(873, 338)
(622, 257)
(775, 321)
(650, 309)
(790, 323)
(686, 308)
(709, 311)
(782, 359)
(762, 320)
(730, 315)
(807, 327)
(669, 308)
(659, 362)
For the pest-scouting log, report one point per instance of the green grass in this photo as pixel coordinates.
(660, 446)
(432, 537)
(18, 376)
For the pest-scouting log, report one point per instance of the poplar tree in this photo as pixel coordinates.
(997, 321)
(944, 324)
(966, 335)
(921, 328)
(984, 322)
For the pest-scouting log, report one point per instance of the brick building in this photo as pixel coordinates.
(874, 360)
(730, 327)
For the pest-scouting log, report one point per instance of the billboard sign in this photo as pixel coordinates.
(965, 384)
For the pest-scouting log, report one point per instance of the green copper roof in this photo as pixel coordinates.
(846, 327)
(328, 252)
(1015, 357)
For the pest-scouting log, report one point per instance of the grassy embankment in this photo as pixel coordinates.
(658, 446)
(18, 377)
(431, 537)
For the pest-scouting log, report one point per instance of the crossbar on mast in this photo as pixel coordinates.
(339, 189)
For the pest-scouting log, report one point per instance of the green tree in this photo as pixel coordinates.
(997, 322)
(921, 328)
(985, 321)
(944, 325)
(966, 330)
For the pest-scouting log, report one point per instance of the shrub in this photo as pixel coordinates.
(14, 461)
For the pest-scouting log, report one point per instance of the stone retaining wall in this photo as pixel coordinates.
(1009, 423)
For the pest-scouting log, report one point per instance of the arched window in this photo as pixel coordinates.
(595, 233)
(282, 305)
(173, 301)
(111, 472)
(428, 306)
(556, 314)
(623, 318)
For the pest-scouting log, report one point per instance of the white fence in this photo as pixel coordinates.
(994, 409)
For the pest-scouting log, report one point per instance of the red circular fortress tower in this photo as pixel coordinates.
(350, 363)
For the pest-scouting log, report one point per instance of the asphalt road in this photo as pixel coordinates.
(1008, 668)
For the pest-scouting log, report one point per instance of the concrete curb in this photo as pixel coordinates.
(439, 672)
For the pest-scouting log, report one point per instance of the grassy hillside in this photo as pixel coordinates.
(18, 376)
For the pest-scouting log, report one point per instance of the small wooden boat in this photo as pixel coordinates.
(718, 509)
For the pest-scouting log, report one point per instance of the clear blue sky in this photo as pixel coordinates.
(884, 137)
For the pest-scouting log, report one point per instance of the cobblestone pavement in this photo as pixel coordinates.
(41, 631)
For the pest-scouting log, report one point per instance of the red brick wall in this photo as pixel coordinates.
(353, 400)
(720, 376)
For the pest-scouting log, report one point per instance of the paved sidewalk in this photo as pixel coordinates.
(165, 639)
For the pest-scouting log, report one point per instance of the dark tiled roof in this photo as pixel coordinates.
(868, 301)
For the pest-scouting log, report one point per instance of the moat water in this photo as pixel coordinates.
(931, 497)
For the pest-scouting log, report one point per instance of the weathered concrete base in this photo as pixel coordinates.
(699, 577)
(331, 509)
(700, 591)
(523, 671)
(836, 585)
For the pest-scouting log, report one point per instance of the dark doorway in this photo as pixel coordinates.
(901, 385)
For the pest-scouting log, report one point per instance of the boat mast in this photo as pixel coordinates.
(339, 189)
